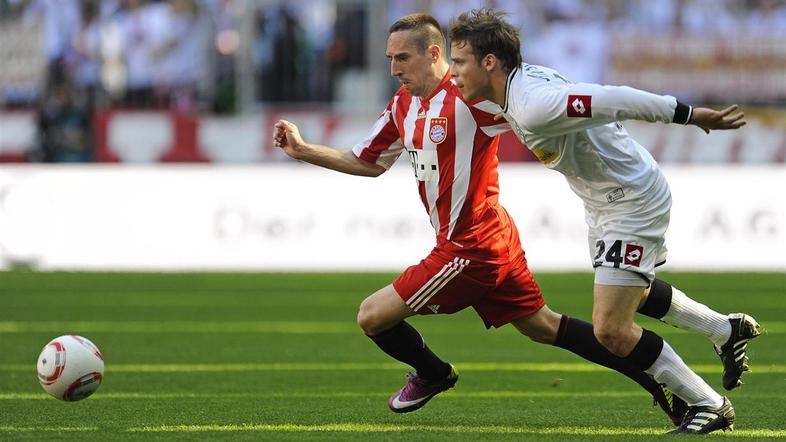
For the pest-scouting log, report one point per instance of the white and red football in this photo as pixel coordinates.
(70, 368)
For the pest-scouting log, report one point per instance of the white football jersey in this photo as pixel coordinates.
(575, 129)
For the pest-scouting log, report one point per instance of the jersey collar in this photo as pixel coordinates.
(507, 88)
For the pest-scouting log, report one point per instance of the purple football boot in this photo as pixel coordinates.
(418, 391)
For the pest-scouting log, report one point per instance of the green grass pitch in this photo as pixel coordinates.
(279, 357)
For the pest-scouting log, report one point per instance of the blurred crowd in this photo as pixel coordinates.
(185, 54)
(193, 55)
(574, 36)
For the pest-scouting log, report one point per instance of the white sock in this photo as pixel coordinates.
(669, 369)
(691, 315)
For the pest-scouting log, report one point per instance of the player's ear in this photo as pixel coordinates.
(489, 62)
(436, 52)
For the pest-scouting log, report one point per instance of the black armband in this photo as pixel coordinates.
(682, 113)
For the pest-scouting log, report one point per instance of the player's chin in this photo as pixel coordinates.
(412, 89)
(468, 95)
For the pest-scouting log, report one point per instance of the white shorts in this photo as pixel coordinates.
(630, 237)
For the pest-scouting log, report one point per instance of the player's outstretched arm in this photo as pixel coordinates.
(286, 136)
(710, 119)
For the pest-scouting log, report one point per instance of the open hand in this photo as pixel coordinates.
(710, 119)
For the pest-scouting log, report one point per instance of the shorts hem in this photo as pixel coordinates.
(523, 314)
(620, 277)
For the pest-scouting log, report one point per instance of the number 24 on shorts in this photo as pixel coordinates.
(614, 255)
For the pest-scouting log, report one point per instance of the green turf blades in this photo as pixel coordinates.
(279, 357)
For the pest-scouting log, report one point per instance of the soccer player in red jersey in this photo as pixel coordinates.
(478, 261)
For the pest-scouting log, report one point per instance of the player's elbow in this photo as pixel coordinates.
(365, 168)
(375, 170)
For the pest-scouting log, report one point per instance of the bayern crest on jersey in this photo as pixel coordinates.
(438, 130)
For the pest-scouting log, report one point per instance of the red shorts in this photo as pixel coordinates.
(445, 282)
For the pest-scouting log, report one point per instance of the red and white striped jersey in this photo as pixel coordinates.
(453, 150)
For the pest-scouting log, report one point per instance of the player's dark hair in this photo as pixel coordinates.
(488, 33)
(426, 28)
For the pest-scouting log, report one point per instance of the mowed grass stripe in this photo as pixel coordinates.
(13, 429)
(290, 327)
(390, 428)
(582, 367)
(351, 394)
(262, 326)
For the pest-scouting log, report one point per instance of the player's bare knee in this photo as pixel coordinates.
(612, 338)
(368, 323)
(368, 320)
(371, 318)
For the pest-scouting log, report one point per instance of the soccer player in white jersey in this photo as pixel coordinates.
(575, 129)
(478, 261)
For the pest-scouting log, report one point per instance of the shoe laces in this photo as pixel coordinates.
(692, 416)
(413, 378)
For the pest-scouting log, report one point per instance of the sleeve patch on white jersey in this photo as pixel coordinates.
(580, 106)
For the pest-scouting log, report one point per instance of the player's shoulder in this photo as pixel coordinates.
(400, 101)
(530, 78)
(533, 92)
(479, 107)
(402, 92)
(453, 90)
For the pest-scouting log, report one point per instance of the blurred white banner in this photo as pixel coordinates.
(298, 217)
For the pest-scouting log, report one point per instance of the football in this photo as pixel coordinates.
(70, 368)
